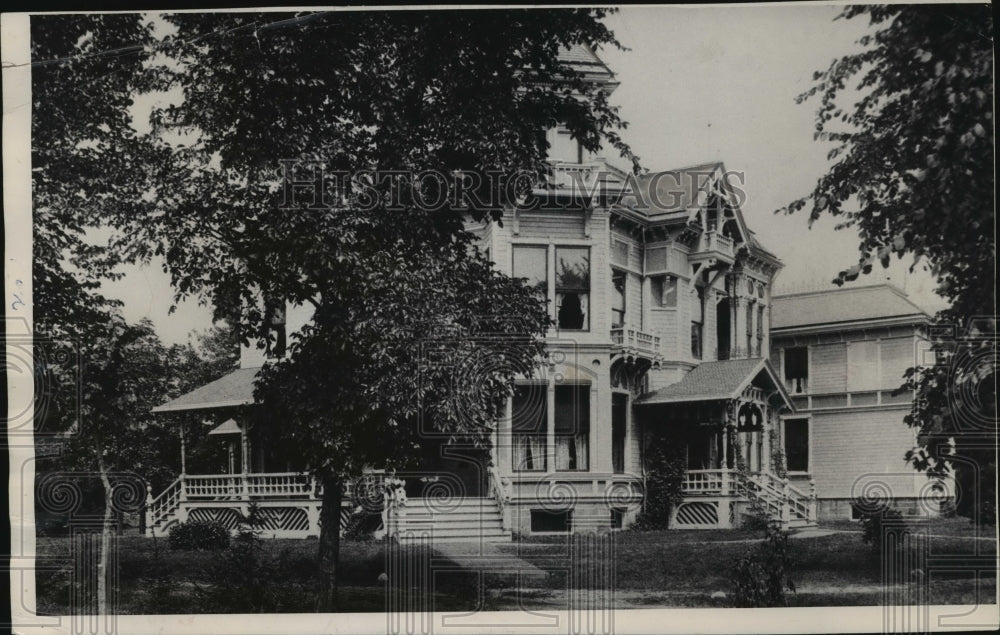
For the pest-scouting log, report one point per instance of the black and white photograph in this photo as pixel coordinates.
(529, 319)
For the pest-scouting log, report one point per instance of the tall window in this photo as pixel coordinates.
(697, 322)
(619, 416)
(529, 410)
(760, 330)
(797, 445)
(797, 369)
(573, 288)
(274, 324)
(664, 290)
(532, 262)
(572, 425)
(618, 282)
(750, 329)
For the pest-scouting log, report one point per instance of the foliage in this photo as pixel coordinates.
(879, 525)
(666, 466)
(362, 525)
(912, 174)
(199, 534)
(756, 516)
(778, 464)
(405, 308)
(761, 575)
(243, 575)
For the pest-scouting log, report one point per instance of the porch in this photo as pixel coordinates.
(720, 422)
(718, 498)
(289, 505)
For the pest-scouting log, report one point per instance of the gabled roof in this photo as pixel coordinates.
(229, 426)
(234, 389)
(671, 194)
(844, 306)
(715, 381)
(584, 60)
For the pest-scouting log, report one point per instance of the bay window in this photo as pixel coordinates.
(573, 288)
(532, 262)
(529, 410)
(572, 426)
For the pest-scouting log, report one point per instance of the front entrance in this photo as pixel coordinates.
(448, 470)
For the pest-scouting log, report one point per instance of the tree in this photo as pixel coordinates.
(912, 174)
(384, 271)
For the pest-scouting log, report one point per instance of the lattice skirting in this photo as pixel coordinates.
(697, 514)
(271, 518)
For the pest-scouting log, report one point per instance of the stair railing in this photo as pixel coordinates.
(160, 508)
(499, 488)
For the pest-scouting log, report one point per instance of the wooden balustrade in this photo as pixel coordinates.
(635, 341)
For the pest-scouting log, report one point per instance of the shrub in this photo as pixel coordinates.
(756, 517)
(362, 525)
(199, 534)
(244, 575)
(877, 525)
(664, 485)
(762, 574)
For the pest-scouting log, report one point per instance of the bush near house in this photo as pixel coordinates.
(666, 466)
(761, 575)
(199, 535)
(881, 524)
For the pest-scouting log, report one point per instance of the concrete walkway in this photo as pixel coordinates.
(487, 557)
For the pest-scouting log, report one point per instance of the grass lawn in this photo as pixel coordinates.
(650, 569)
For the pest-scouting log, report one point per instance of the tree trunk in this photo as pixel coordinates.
(329, 543)
(102, 566)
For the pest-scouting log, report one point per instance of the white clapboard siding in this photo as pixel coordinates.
(854, 448)
(828, 368)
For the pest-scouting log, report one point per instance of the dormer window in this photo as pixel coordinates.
(274, 325)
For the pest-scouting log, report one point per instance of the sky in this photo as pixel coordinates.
(698, 84)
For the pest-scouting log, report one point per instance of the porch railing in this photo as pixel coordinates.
(238, 486)
(719, 482)
(779, 498)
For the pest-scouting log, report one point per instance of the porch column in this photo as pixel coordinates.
(724, 460)
(765, 439)
(735, 324)
(550, 425)
(183, 459)
(243, 460)
(183, 493)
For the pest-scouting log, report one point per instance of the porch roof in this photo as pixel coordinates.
(234, 389)
(715, 381)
